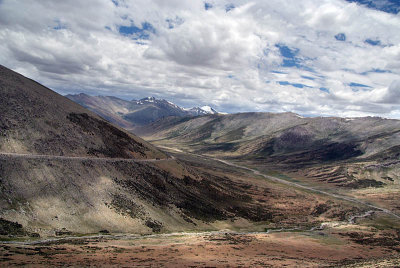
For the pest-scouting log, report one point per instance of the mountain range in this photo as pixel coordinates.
(268, 181)
(286, 137)
(65, 170)
(359, 156)
(287, 141)
(353, 153)
(136, 113)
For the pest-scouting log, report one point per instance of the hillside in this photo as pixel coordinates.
(274, 136)
(36, 120)
(109, 108)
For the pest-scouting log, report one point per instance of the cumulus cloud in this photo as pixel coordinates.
(237, 56)
(392, 93)
(222, 43)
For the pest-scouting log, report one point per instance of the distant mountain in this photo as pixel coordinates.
(135, 113)
(341, 152)
(204, 110)
(283, 137)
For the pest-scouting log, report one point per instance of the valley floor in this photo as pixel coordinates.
(215, 249)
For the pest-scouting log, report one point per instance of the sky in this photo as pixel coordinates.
(311, 57)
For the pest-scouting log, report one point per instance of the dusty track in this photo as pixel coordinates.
(79, 158)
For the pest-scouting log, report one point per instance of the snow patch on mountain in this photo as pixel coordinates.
(146, 100)
(208, 109)
(174, 105)
(204, 110)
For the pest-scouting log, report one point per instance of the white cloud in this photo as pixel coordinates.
(392, 94)
(197, 56)
(222, 43)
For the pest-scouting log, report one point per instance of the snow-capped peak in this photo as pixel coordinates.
(149, 99)
(208, 109)
(204, 110)
(146, 100)
(174, 105)
(195, 111)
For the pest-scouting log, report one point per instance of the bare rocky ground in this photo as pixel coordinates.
(65, 170)
(305, 249)
(358, 157)
(335, 233)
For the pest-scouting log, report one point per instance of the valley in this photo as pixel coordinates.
(253, 189)
(357, 158)
(200, 134)
(336, 233)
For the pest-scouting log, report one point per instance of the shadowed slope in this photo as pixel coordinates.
(36, 120)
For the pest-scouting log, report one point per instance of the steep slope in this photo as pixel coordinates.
(36, 120)
(64, 170)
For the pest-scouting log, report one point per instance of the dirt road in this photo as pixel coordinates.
(80, 158)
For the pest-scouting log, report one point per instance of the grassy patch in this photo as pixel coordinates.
(327, 239)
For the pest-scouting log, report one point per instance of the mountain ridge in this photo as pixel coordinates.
(285, 139)
(135, 113)
(341, 153)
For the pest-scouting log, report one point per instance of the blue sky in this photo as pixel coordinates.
(389, 6)
(312, 57)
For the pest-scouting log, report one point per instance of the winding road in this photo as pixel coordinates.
(342, 197)
(254, 171)
(272, 178)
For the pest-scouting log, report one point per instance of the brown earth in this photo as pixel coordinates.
(202, 250)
